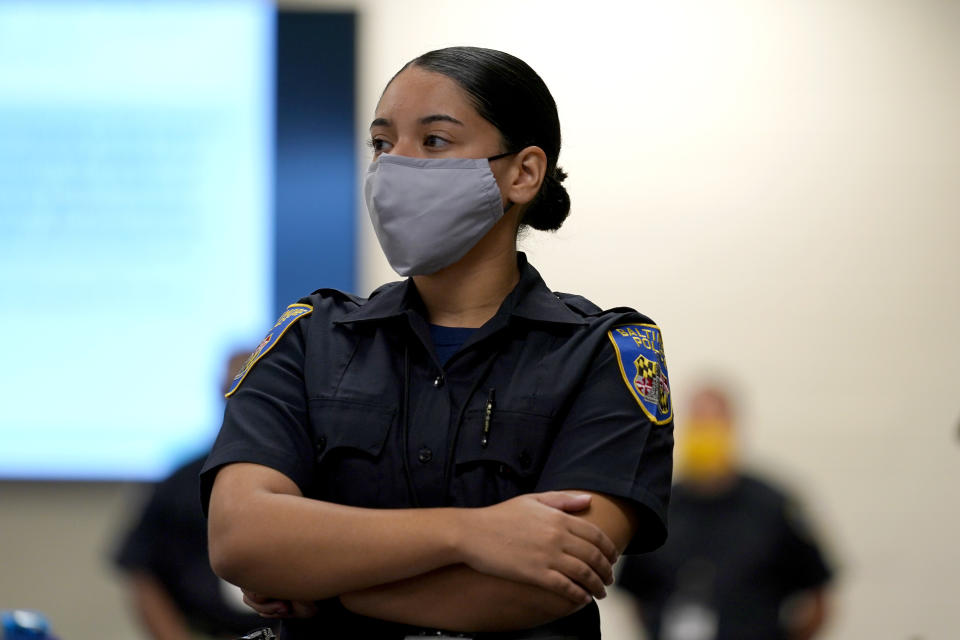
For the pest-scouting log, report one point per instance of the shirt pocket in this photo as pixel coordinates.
(517, 444)
(349, 438)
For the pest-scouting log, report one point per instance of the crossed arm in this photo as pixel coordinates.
(517, 564)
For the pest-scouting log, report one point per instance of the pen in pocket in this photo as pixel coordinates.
(487, 419)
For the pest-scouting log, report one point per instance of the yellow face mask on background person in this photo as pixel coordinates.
(706, 449)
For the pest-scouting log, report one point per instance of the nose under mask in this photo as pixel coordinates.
(429, 212)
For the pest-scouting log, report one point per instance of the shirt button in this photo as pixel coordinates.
(321, 444)
(438, 381)
(425, 455)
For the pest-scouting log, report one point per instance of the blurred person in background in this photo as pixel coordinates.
(173, 590)
(740, 562)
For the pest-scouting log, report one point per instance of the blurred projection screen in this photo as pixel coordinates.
(135, 230)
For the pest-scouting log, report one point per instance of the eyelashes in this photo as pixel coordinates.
(435, 142)
(431, 141)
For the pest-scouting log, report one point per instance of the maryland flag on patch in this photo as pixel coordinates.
(639, 349)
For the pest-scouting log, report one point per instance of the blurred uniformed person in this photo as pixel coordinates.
(740, 563)
(163, 556)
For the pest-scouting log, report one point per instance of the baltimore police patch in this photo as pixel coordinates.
(293, 313)
(639, 349)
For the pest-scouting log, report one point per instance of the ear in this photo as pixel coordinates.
(527, 171)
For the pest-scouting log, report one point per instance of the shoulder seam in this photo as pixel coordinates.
(578, 304)
(337, 293)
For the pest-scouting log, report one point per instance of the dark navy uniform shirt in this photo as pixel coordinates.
(353, 405)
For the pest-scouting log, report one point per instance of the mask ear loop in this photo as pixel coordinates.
(497, 157)
(501, 155)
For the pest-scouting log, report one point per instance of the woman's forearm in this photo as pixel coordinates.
(457, 598)
(267, 538)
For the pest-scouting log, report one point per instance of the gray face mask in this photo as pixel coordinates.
(429, 212)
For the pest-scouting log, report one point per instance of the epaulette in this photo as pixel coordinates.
(326, 292)
(588, 309)
(579, 304)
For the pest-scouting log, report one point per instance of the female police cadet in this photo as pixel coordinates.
(465, 450)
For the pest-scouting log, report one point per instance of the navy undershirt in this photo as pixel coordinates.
(448, 340)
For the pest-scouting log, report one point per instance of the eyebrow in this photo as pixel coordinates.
(436, 117)
(440, 117)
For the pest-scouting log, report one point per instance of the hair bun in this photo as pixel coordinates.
(551, 206)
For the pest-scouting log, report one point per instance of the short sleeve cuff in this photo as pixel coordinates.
(242, 452)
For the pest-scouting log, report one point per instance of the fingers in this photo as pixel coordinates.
(547, 545)
(268, 607)
(573, 502)
(570, 502)
(595, 536)
(588, 552)
(265, 606)
(592, 559)
(560, 584)
(256, 598)
(582, 574)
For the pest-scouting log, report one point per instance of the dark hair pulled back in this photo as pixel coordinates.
(511, 96)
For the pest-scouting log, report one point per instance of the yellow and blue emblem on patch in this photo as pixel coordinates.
(293, 313)
(643, 365)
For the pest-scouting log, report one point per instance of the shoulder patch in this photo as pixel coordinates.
(293, 313)
(643, 365)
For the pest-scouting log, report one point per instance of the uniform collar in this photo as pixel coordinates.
(530, 299)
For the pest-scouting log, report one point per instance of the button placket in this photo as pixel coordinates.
(427, 432)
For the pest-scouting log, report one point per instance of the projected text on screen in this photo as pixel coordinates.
(135, 173)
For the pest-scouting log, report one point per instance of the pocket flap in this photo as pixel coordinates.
(517, 440)
(353, 424)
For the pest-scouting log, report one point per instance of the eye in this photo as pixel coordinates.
(379, 145)
(435, 142)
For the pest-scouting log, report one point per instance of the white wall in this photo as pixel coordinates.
(778, 185)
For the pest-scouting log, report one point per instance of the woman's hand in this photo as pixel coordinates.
(531, 539)
(268, 607)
